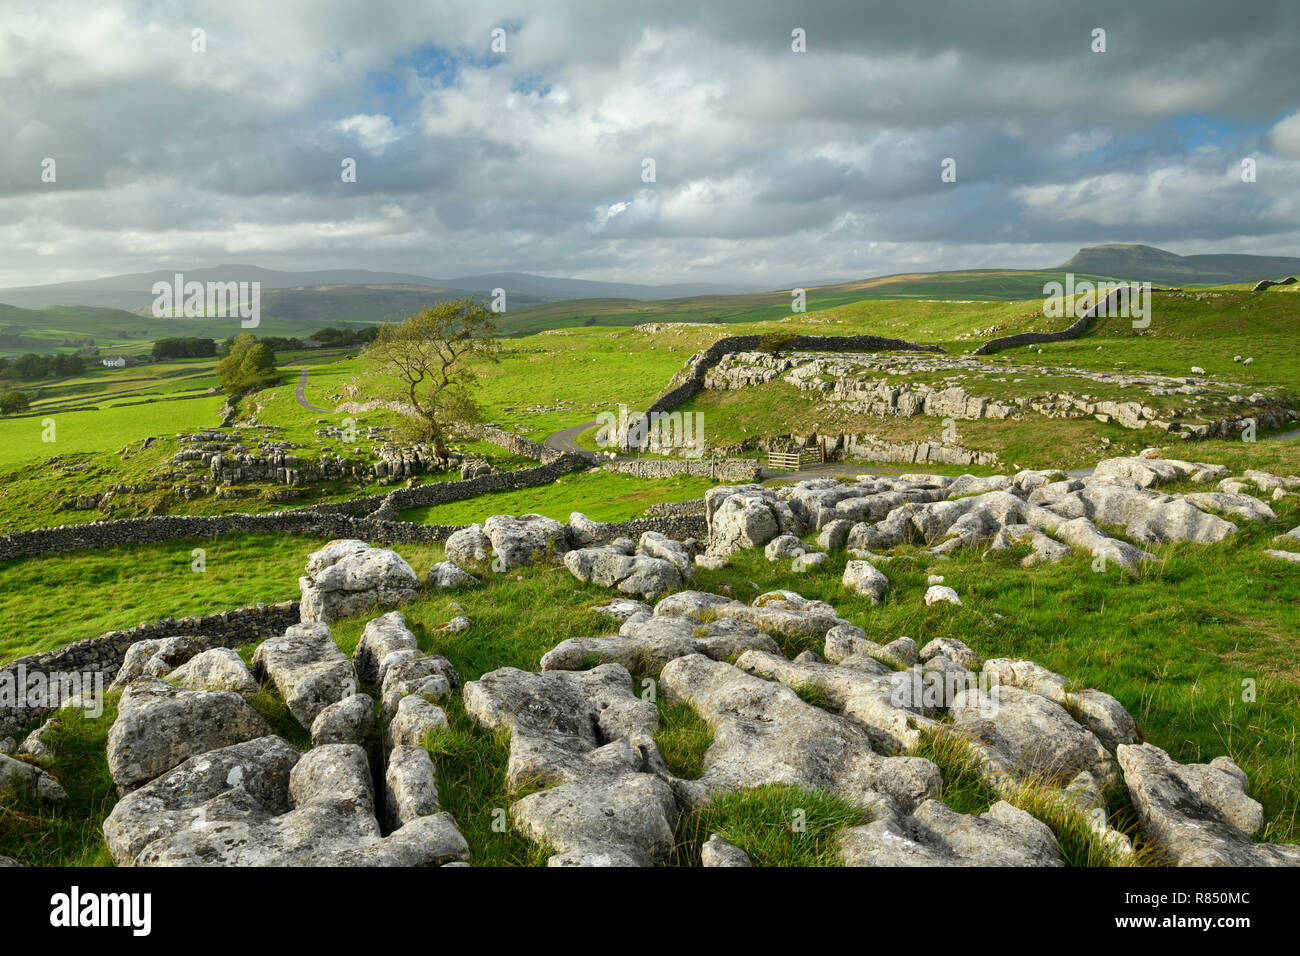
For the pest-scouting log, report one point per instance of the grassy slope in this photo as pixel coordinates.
(1185, 330)
(601, 497)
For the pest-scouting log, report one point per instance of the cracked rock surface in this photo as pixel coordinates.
(1199, 814)
(585, 737)
(764, 733)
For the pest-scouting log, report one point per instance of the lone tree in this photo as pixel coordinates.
(431, 356)
(12, 402)
(246, 365)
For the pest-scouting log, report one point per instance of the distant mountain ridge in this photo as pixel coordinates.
(132, 292)
(116, 309)
(1124, 261)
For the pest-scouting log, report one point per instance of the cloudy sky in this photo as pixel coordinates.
(772, 167)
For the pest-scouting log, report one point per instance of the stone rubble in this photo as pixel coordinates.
(1051, 513)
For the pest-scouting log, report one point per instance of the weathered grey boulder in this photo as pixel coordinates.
(834, 534)
(764, 733)
(432, 840)
(1022, 734)
(348, 577)
(656, 545)
(469, 547)
(431, 677)
(583, 532)
(783, 547)
(307, 668)
(861, 577)
(1147, 472)
(954, 650)
(809, 560)
(936, 835)
(251, 778)
(783, 613)
(645, 646)
(1099, 712)
(1085, 793)
(869, 699)
(159, 726)
(554, 716)
(220, 668)
(457, 624)
(263, 804)
(1024, 482)
(845, 640)
(585, 734)
(385, 640)
(447, 574)
(1198, 814)
(1147, 516)
(632, 574)
(964, 485)
(410, 787)
(1043, 550)
(521, 540)
(718, 852)
(900, 652)
(1244, 506)
(155, 658)
(1081, 533)
(620, 609)
(1267, 482)
(34, 745)
(18, 776)
(628, 814)
(415, 717)
(349, 721)
(940, 594)
(743, 520)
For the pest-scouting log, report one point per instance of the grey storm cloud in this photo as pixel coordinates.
(770, 165)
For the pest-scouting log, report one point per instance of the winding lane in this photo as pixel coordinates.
(301, 395)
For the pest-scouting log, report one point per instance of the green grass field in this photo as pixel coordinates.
(602, 496)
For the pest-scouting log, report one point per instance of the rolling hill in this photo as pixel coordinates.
(133, 293)
(114, 311)
(1122, 261)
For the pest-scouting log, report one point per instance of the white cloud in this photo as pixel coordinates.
(770, 165)
(1284, 138)
(373, 132)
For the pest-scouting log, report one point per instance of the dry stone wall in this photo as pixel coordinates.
(723, 469)
(691, 379)
(1108, 305)
(104, 654)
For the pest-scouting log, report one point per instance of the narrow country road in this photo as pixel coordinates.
(563, 440)
(302, 396)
